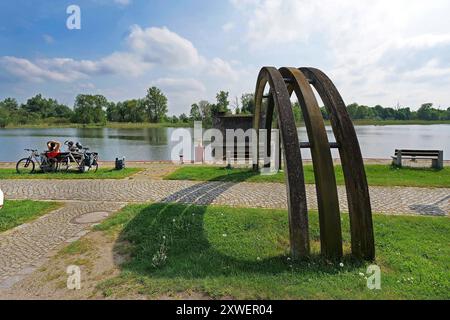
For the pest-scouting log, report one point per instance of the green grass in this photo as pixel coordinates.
(117, 125)
(244, 254)
(102, 173)
(377, 175)
(369, 122)
(15, 213)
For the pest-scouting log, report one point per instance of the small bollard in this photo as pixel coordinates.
(120, 163)
(181, 159)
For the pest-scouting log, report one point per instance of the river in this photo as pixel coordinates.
(154, 143)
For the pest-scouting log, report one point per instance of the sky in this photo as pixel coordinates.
(377, 52)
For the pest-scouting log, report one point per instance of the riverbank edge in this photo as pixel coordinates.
(145, 125)
(149, 163)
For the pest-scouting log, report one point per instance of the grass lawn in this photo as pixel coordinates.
(244, 254)
(102, 173)
(15, 213)
(377, 175)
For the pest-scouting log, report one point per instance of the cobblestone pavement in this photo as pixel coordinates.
(393, 200)
(28, 246)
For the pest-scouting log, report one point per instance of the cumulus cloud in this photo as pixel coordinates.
(145, 49)
(25, 69)
(162, 46)
(366, 43)
(182, 85)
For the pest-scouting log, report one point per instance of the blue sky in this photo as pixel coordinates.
(377, 52)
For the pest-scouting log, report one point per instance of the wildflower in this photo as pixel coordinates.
(341, 265)
(224, 235)
(361, 274)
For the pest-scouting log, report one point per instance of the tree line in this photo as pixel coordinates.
(153, 108)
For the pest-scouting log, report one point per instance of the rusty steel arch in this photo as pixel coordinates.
(296, 194)
(299, 81)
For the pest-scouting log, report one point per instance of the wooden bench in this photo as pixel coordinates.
(437, 157)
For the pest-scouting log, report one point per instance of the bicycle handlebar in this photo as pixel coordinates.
(31, 150)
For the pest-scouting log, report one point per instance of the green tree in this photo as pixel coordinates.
(184, 118)
(9, 104)
(222, 103)
(248, 103)
(195, 113)
(133, 111)
(297, 112)
(425, 112)
(113, 112)
(353, 110)
(4, 117)
(156, 104)
(90, 109)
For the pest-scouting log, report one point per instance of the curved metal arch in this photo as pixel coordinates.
(361, 224)
(326, 189)
(298, 215)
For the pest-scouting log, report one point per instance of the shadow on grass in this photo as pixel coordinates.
(194, 241)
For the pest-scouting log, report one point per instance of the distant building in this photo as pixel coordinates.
(234, 121)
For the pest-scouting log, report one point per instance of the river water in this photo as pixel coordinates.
(155, 143)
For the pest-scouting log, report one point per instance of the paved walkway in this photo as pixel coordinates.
(25, 248)
(392, 200)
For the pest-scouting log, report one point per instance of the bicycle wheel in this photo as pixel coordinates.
(50, 165)
(64, 165)
(24, 166)
(94, 168)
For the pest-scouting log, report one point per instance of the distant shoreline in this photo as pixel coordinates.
(144, 125)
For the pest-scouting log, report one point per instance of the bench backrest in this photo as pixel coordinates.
(419, 153)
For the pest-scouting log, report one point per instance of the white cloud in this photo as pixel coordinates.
(173, 62)
(366, 44)
(222, 69)
(162, 46)
(146, 49)
(228, 26)
(122, 2)
(48, 38)
(29, 71)
(180, 85)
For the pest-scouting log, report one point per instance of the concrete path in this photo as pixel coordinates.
(26, 247)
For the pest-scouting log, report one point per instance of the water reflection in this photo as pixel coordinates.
(154, 143)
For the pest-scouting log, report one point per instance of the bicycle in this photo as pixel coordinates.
(27, 165)
(84, 160)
